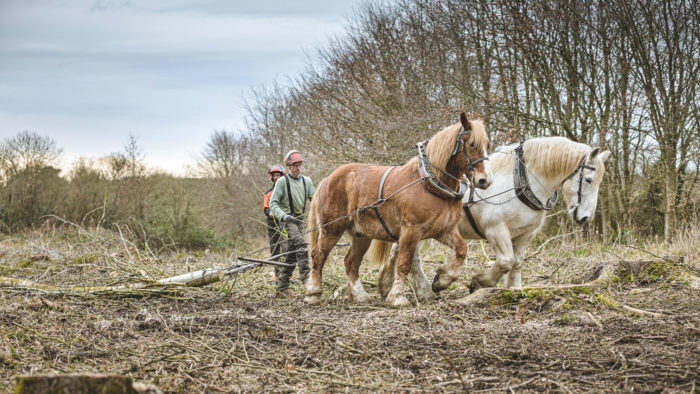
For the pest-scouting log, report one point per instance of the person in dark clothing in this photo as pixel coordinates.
(288, 204)
(275, 230)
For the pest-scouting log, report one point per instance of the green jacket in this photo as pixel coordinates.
(279, 202)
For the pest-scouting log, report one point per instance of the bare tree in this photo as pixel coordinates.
(224, 154)
(665, 44)
(27, 151)
(31, 186)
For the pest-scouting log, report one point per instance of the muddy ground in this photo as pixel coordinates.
(235, 336)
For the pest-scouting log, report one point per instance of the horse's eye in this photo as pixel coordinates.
(589, 180)
(471, 144)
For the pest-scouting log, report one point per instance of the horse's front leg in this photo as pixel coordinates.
(319, 254)
(388, 270)
(499, 239)
(514, 277)
(407, 246)
(445, 275)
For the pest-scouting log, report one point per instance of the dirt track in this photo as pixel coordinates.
(236, 337)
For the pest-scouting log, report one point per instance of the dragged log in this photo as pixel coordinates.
(164, 286)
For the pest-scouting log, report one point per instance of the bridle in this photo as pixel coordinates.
(581, 166)
(460, 143)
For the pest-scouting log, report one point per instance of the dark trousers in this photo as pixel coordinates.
(277, 241)
(295, 229)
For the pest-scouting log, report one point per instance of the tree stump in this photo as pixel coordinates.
(641, 271)
(81, 384)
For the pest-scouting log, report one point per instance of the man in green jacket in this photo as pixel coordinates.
(288, 204)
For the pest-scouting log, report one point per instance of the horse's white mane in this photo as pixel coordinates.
(549, 156)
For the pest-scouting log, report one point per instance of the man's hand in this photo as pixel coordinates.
(287, 218)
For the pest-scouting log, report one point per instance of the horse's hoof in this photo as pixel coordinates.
(362, 298)
(427, 295)
(312, 299)
(474, 286)
(440, 284)
(384, 292)
(399, 302)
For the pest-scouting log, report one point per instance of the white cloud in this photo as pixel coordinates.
(88, 74)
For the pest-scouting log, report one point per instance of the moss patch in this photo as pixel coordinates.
(541, 295)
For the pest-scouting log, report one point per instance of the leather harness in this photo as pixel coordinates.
(522, 186)
(524, 192)
(432, 183)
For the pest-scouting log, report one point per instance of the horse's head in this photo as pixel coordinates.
(580, 189)
(473, 155)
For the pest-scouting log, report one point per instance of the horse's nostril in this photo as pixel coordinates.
(583, 219)
(482, 182)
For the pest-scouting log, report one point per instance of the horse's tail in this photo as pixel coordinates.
(379, 251)
(315, 218)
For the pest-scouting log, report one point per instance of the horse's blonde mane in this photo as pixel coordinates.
(441, 146)
(540, 153)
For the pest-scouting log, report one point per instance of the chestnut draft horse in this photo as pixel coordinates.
(405, 203)
(527, 179)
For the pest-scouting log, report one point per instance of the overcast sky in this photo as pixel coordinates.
(90, 73)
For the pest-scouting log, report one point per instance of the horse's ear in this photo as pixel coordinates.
(603, 155)
(465, 122)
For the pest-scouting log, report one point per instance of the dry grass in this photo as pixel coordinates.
(234, 336)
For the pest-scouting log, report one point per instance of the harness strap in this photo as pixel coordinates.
(469, 214)
(522, 186)
(380, 200)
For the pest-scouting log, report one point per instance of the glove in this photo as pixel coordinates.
(287, 218)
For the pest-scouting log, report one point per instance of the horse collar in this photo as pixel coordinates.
(433, 184)
(522, 186)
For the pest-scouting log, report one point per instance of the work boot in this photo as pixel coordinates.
(283, 294)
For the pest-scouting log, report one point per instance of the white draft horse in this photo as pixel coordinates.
(511, 211)
(405, 203)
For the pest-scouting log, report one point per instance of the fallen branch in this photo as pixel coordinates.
(640, 311)
(199, 278)
(191, 279)
(593, 319)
